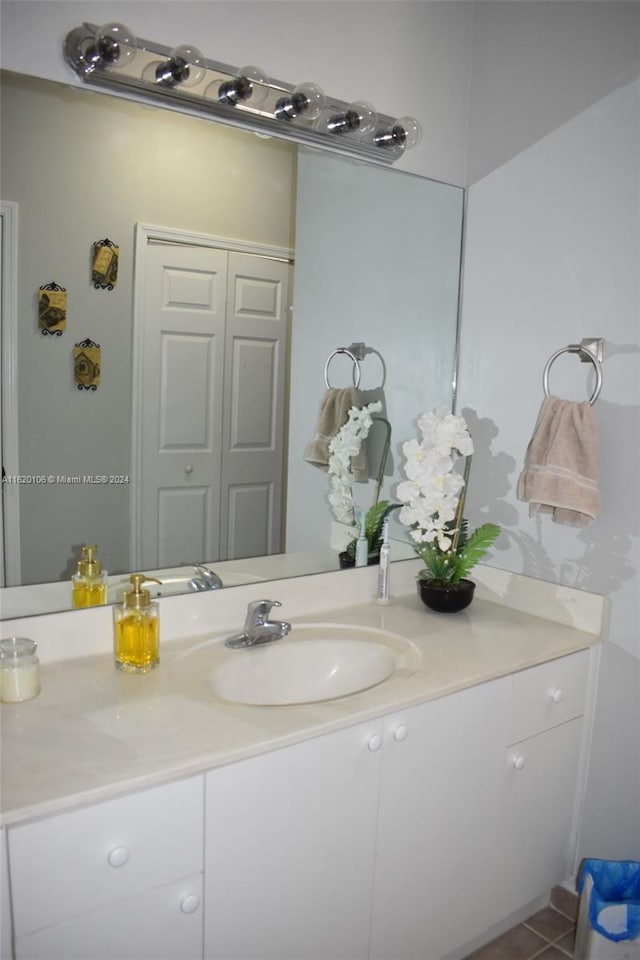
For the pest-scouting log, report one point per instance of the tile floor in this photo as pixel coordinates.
(547, 935)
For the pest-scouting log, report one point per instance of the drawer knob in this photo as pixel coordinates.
(118, 856)
(190, 903)
(556, 695)
(401, 733)
(375, 742)
(518, 762)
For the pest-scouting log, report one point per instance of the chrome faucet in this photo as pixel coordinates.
(206, 579)
(257, 626)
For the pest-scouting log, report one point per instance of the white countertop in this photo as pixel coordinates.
(94, 733)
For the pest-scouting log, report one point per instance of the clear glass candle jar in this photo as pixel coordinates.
(19, 670)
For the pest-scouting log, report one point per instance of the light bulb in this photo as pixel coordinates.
(114, 46)
(185, 68)
(359, 117)
(410, 131)
(404, 134)
(307, 101)
(250, 83)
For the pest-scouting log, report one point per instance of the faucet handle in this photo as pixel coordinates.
(258, 611)
(210, 577)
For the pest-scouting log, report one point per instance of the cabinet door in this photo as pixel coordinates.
(538, 812)
(439, 828)
(164, 924)
(290, 849)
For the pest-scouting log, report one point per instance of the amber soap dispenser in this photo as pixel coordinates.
(136, 626)
(90, 580)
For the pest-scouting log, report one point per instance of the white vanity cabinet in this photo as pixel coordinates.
(397, 838)
(474, 824)
(121, 879)
(402, 838)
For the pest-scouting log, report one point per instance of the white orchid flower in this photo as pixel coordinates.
(432, 489)
(345, 445)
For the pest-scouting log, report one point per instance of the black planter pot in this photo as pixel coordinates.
(448, 597)
(347, 561)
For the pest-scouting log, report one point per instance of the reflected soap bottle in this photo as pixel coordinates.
(136, 629)
(90, 580)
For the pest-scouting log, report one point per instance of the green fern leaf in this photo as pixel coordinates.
(374, 521)
(474, 549)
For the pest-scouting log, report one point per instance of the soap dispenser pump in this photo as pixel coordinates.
(136, 625)
(90, 580)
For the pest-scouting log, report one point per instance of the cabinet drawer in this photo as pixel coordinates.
(67, 865)
(164, 924)
(547, 695)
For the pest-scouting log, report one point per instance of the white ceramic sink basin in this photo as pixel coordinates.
(315, 662)
(302, 670)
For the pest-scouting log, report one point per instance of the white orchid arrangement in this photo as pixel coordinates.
(433, 496)
(342, 448)
(345, 445)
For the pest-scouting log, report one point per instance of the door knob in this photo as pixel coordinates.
(401, 733)
(518, 761)
(375, 742)
(190, 903)
(118, 856)
(188, 468)
(556, 695)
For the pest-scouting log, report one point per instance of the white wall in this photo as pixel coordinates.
(552, 255)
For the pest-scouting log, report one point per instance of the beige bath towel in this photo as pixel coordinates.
(334, 413)
(561, 468)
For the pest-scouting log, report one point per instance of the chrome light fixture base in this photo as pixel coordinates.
(111, 58)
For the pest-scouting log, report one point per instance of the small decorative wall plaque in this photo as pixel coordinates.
(86, 365)
(52, 309)
(104, 265)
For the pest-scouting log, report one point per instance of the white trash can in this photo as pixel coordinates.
(609, 915)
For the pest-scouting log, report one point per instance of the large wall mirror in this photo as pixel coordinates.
(322, 251)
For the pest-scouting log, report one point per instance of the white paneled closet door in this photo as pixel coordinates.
(211, 431)
(253, 423)
(183, 328)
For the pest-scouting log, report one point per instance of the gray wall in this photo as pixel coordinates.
(536, 65)
(83, 167)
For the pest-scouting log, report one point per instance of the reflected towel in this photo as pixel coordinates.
(560, 474)
(334, 413)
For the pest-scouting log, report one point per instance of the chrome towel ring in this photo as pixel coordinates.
(356, 366)
(590, 351)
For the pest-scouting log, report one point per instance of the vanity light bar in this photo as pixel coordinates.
(111, 57)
